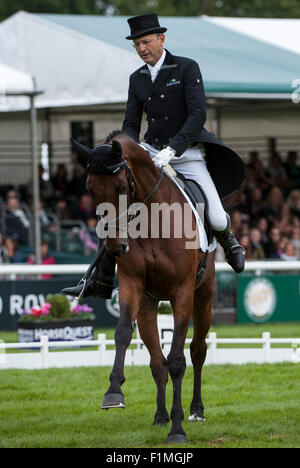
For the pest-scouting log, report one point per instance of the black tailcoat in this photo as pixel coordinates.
(176, 113)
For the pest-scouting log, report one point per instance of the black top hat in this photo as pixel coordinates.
(143, 25)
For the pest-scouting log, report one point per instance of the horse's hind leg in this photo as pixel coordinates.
(147, 323)
(202, 314)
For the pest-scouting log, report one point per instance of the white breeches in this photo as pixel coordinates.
(191, 164)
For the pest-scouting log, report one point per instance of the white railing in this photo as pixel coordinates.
(139, 355)
(256, 266)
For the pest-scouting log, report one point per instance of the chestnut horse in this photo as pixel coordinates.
(150, 270)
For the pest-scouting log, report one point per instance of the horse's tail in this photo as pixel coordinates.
(233, 199)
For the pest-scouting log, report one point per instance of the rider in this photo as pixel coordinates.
(170, 91)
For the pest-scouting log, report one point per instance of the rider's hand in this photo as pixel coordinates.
(164, 157)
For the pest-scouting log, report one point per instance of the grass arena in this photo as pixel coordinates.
(246, 406)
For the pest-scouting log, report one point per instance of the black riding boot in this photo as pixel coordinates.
(234, 252)
(101, 282)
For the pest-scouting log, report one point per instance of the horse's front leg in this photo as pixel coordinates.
(182, 307)
(147, 323)
(130, 297)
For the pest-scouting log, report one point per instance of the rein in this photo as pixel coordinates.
(132, 183)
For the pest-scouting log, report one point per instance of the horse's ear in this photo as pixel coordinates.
(82, 150)
(116, 149)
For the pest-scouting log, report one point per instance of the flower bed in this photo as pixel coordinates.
(59, 319)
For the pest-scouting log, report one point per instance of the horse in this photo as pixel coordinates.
(153, 269)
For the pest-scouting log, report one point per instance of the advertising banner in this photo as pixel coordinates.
(15, 296)
(269, 298)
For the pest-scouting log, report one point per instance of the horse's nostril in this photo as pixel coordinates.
(121, 250)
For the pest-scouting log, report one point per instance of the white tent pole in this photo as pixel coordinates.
(36, 181)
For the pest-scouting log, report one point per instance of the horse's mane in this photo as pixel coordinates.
(131, 150)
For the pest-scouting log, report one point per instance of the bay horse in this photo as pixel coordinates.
(150, 270)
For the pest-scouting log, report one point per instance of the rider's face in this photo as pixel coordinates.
(150, 47)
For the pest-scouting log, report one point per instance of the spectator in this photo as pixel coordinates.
(256, 246)
(276, 171)
(14, 255)
(274, 205)
(295, 240)
(289, 252)
(89, 236)
(77, 184)
(45, 221)
(244, 230)
(236, 222)
(282, 245)
(251, 179)
(46, 259)
(91, 225)
(271, 248)
(293, 201)
(284, 222)
(263, 228)
(262, 179)
(256, 204)
(4, 258)
(61, 209)
(16, 221)
(46, 189)
(292, 169)
(60, 181)
(246, 244)
(85, 208)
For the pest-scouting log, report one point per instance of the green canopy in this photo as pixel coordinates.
(231, 63)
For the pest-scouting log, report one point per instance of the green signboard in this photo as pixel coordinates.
(269, 298)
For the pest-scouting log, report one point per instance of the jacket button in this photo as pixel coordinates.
(166, 117)
(156, 140)
(149, 98)
(162, 96)
(152, 120)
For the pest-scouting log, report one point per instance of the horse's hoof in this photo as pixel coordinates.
(161, 422)
(161, 419)
(176, 439)
(194, 418)
(113, 400)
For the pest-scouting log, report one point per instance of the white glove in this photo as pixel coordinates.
(164, 157)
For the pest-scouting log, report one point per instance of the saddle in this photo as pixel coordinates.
(198, 200)
(200, 203)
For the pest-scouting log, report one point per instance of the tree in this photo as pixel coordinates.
(240, 8)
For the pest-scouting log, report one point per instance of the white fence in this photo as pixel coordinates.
(139, 356)
(103, 355)
(255, 266)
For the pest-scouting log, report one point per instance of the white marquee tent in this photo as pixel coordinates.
(17, 90)
(72, 68)
(14, 81)
(280, 32)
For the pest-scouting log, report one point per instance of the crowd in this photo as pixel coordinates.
(62, 199)
(266, 219)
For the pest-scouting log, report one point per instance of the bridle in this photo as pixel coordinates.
(131, 215)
